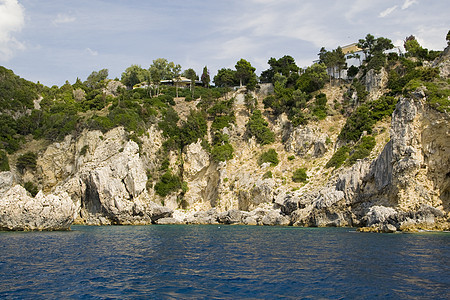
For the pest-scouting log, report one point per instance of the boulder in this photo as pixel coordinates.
(20, 211)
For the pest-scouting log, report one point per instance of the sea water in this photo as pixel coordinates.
(223, 262)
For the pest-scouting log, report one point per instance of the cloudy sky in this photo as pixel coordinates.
(52, 41)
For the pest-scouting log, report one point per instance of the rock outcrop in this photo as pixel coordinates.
(20, 211)
(406, 186)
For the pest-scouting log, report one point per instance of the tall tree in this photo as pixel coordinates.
(285, 66)
(176, 72)
(95, 79)
(225, 77)
(161, 69)
(341, 63)
(206, 79)
(134, 74)
(190, 74)
(372, 45)
(244, 71)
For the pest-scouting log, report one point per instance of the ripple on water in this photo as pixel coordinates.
(192, 262)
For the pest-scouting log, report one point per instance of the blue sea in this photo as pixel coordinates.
(223, 262)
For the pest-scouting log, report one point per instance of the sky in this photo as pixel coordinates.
(52, 41)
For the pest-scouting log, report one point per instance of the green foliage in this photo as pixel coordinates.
(313, 79)
(300, 175)
(270, 156)
(285, 66)
(193, 128)
(437, 92)
(338, 158)
(222, 152)
(31, 188)
(382, 107)
(377, 62)
(16, 94)
(4, 162)
(26, 161)
(267, 175)
(225, 78)
(167, 184)
(291, 157)
(245, 73)
(320, 108)
(358, 122)
(258, 127)
(362, 149)
(84, 150)
(8, 134)
(205, 77)
(372, 45)
(352, 71)
(96, 79)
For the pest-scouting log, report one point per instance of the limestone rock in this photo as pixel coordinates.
(6, 181)
(232, 216)
(20, 211)
(379, 214)
(307, 140)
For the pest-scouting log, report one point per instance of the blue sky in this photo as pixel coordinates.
(52, 41)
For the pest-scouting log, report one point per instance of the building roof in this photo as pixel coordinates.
(351, 48)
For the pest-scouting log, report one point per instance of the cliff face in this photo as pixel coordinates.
(406, 186)
(108, 178)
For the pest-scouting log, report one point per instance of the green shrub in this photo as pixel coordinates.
(258, 127)
(4, 162)
(338, 157)
(84, 150)
(267, 175)
(31, 188)
(359, 121)
(221, 122)
(26, 161)
(362, 149)
(300, 175)
(194, 128)
(167, 184)
(270, 156)
(222, 152)
(291, 157)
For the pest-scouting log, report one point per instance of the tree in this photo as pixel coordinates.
(367, 45)
(340, 60)
(414, 49)
(133, 75)
(190, 74)
(224, 78)
(176, 72)
(205, 77)
(371, 46)
(285, 66)
(448, 38)
(313, 78)
(258, 127)
(161, 69)
(95, 79)
(244, 71)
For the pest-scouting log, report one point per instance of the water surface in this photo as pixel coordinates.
(223, 262)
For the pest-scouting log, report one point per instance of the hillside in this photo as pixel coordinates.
(372, 152)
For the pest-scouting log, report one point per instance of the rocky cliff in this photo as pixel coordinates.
(107, 178)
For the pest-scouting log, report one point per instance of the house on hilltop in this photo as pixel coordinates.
(182, 82)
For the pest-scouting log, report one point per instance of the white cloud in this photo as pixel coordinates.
(62, 19)
(387, 11)
(408, 3)
(11, 20)
(91, 52)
